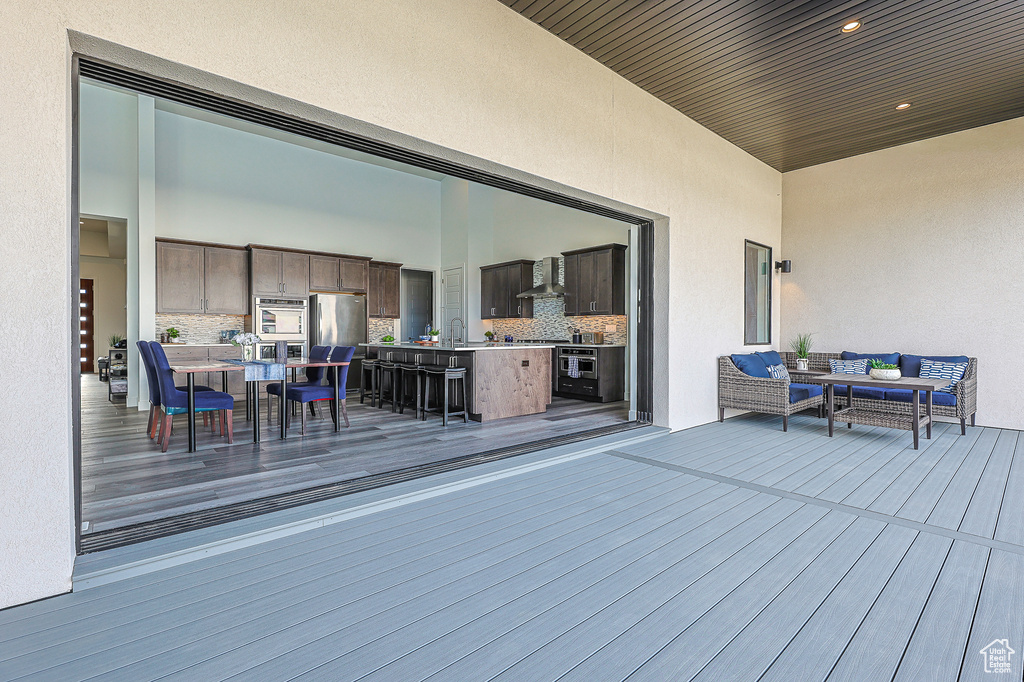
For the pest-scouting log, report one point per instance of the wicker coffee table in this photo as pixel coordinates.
(869, 417)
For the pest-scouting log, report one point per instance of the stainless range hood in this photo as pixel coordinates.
(549, 285)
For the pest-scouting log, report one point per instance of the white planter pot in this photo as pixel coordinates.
(435, 337)
(885, 374)
(801, 364)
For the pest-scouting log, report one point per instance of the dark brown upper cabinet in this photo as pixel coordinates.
(500, 285)
(335, 273)
(195, 278)
(595, 280)
(279, 273)
(383, 290)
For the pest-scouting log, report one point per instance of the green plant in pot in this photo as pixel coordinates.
(489, 335)
(884, 371)
(387, 339)
(801, 345)
(434, 335)
(114, 340)
(173, 334)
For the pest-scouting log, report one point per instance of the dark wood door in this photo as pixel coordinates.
(587, 276)
(391, 287)
(295, 274)
(266, 272)
(520, 279)
(353, 275)
(488, 284)
(179, 278)
(603, 277)
(324, 273)
(571, 277)
(226, 281)
(374, 297)
(86, 327)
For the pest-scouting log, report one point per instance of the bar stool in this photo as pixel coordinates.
(407, 370)
(388, 368)
(447, 375)
(369, 365)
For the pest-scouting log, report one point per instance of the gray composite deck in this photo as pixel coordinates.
(728, 551)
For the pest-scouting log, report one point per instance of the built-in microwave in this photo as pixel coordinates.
(280, 319)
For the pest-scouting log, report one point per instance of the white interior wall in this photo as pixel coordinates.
(109, 282)
(517, 96)
(915, 249)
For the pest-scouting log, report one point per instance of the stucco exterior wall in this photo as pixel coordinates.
(470, 75)
(915, 249)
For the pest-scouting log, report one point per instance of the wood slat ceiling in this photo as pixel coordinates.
(779, 79)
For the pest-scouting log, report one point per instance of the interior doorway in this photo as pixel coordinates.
(417, 303)
(453, 284)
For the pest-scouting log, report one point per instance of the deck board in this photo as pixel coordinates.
(597, 567)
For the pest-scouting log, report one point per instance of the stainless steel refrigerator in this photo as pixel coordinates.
(340, 320)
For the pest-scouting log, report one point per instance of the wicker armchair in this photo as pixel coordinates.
(966, 392)
(740, 391)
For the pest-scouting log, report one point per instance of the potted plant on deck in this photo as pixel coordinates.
(884, 371)
(801, 345)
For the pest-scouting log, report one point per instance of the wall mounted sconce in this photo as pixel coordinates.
(783, 266)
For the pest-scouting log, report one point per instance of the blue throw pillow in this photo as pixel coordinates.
(951, 371)
(751, 365)
(770, 357)
(778, 372)
(848, 366)
(887, 358)
(910, 365)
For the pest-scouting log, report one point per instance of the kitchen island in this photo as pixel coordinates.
(502, 379)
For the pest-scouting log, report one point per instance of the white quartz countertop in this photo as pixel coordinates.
(471, 346)
(481, 345)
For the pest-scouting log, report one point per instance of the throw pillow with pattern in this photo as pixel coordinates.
(953, 371)
(848, 366)
(778, 372)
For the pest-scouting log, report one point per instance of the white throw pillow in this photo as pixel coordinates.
(778, 372)
(848, 366)
(953, 371)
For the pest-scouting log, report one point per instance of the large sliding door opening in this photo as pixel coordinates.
(308, 319)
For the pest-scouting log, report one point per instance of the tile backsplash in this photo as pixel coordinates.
(377, 328)
(201, 329)
(550, 322)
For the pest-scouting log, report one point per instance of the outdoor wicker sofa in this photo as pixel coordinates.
(961, 404)
(741, 391)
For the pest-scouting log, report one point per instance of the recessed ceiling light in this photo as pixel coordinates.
(903, 105)
(851, 26)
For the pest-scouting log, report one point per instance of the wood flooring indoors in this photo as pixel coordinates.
(126, 480)
(729, 551)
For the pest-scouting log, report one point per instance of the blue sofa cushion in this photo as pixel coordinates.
(751, 364)
(865, 392)
(798, 392)
(910, 365)
(887, 358)
(769, 357)
(848, 366)
(903, 395)
(952, 372)
(778, 372)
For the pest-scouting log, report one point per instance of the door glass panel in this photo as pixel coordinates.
(757, 293)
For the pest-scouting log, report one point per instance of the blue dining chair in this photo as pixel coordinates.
(154, 389)
(305, 394)
(313, 376)
(175, 401)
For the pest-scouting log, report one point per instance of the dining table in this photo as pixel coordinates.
(262, 368)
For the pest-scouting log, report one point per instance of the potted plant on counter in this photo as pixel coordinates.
(434, 335)
(248, 341)
(173, 335)
(884, 371)
(801, 345)
(388, 339)
(490, 336)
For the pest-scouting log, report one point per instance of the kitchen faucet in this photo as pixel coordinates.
(451, 330)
